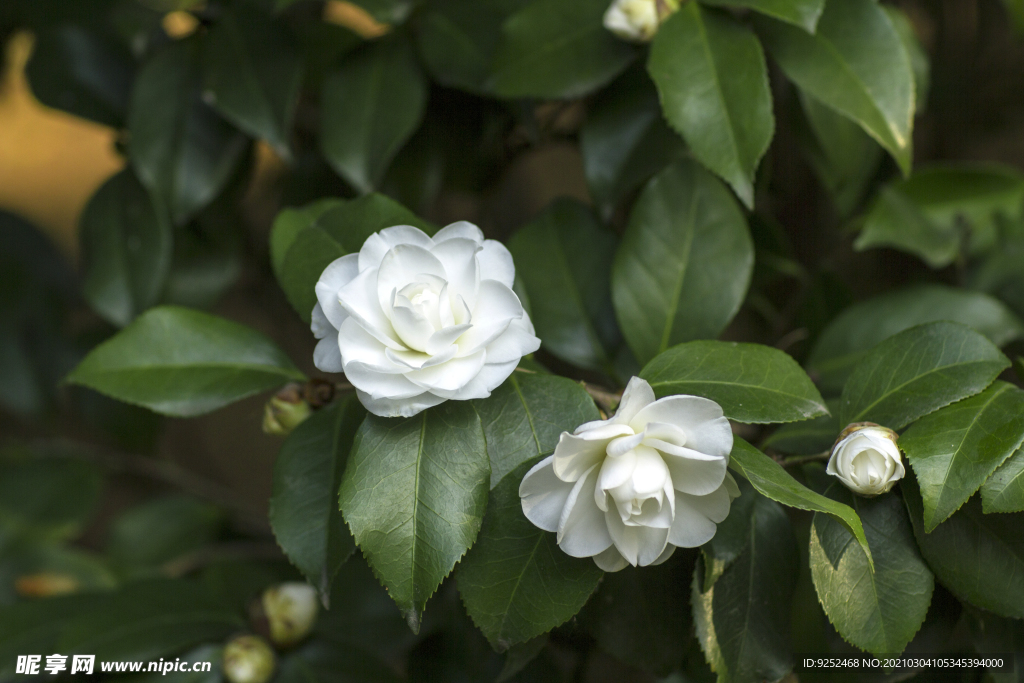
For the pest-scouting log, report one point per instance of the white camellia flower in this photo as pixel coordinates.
(866, 459)
(631, 489)
(637, 20)
(413, 321)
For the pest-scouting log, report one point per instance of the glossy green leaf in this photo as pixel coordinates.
(979, 557)
(955, 449)
(752, 382)
(1015, 8)
(207, 261)
(414, 494)
(743, 619)
(920, 63)
(387, 11)
(1004, 490)
(127, 244)
(641, 615)
(929, 213)
(304, 505)
(556, 49)
(323, 661)
(160, 530)
(307, 240)
(252, 74)
(180, 148)
(807, 437)
(214, 654)
(525, 416)
(880, 608)
(918, 371)
(844, 343)
(44, 561)
(802, 13)
(770, 479)
(46, 498)
(662, 290)
(731, 537)
(563, 258)
(81, 72)
(372, 104)
(516, 582)
(713, 82)
(34, 626)
(181, 362)
(856, 64)
(843, 156)
(625, 140)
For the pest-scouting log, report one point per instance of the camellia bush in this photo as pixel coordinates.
(650, 340)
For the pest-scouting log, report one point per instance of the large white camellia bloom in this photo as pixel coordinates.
(866, 459)
(414, 320)
(631, 489)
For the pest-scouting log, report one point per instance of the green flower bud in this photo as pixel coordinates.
(285, 411)
(290, 610)
(248, 659)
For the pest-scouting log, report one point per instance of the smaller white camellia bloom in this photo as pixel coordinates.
(291, 610)
(866, 459)
(637, 20)
(633, 488)
(414, 320)
(248, 659)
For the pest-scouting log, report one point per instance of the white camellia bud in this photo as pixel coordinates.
(248, 659)
(866, 459)
(633, 488)
(290, 609)
(413, 321)
(638, 20)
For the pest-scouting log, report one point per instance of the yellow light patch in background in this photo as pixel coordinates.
(354, 18)
(179, 24)
(50, 162)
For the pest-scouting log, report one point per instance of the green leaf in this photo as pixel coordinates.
(713, 82)
(979, 557)
(880, 608)
(147, 620)
(752, 383)
(768, 477)
(1004, 490)
(625, 140)
(304, 510)
(82, 73)
(731, 537)
(127, 244)
(802, 13)
(920, 63)
(743, 619)
(326, 661)
(662, 289)
(161, 530)
(955, 449)
(34, 626)
(807, 437)
(1015, 8)
(516, 582)
(181, 150)
(252, 74)
(563, 258)
(414, 495)
(180, 362)
(310, 239)
(372, 104)
(848, 338)
(843, 156)
(387, 11)
(641, 615)
(556, 49)
(856, 64)
(525, 416)
(214, 654)
(46, 498)
(918, 371)
(926, 214)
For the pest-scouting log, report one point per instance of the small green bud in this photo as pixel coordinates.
(248, 659)
(290, 610)
(285, 411)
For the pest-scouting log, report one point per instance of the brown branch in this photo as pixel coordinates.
(606, 400)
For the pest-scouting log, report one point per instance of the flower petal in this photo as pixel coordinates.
(707, 429)
(690, 528)
(414, 360)
(450, 376)
(543, 495)
(667, 553)
(359, 299)
(440, 341)
(575, 455)
(616, 470)
(459, 229)
(610, 560)
(696, 476)
(637, 395)
(402, 265)
(582, 531)
(650, 473)
(491, 376)
(496, 303)
(412, 327)
(336, 275)
(640, 546)
(327, 355)
(514, 343)
(496, 263)
(458, 256)
(359, 346)
(715, 506)
(378, 244)
(380, 384)
(319, 323)
(398, 407)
